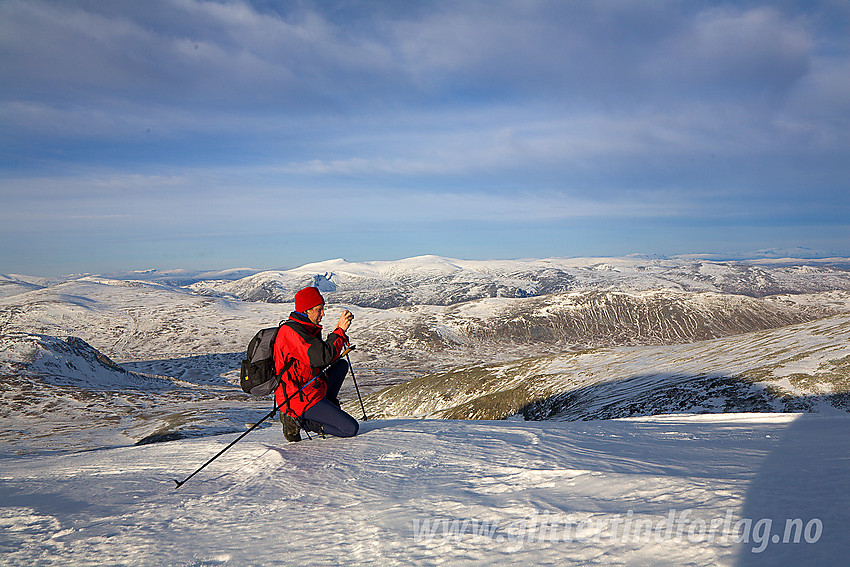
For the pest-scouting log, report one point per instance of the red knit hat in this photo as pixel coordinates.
(308, 298)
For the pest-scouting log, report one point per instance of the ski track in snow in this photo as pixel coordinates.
(388, 496)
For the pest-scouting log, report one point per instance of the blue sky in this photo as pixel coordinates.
(186, 133)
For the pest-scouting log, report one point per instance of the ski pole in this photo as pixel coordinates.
(353, 379)
(252, 428)
(180, 483)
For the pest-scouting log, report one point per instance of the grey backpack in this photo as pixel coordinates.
(258, 376)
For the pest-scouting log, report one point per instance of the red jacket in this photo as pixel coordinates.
(301, 339)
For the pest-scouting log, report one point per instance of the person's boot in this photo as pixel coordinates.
(291, 430)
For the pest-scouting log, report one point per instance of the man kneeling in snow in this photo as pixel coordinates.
(315, 407)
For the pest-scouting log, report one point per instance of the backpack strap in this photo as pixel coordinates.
(280, 374)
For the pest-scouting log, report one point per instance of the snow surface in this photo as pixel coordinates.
(684, 489)
(662, 490)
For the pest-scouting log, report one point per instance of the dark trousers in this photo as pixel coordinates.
(326, 416)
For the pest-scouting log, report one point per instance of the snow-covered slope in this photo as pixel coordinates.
(802, 367)
(725, 490)
(591, 318)
(13, 284)
(62, 395)
(69, 361)
(134, 320)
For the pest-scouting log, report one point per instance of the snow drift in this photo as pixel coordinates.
(726, 490)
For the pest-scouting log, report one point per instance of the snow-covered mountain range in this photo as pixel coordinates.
(449, 337)
(434, 280)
